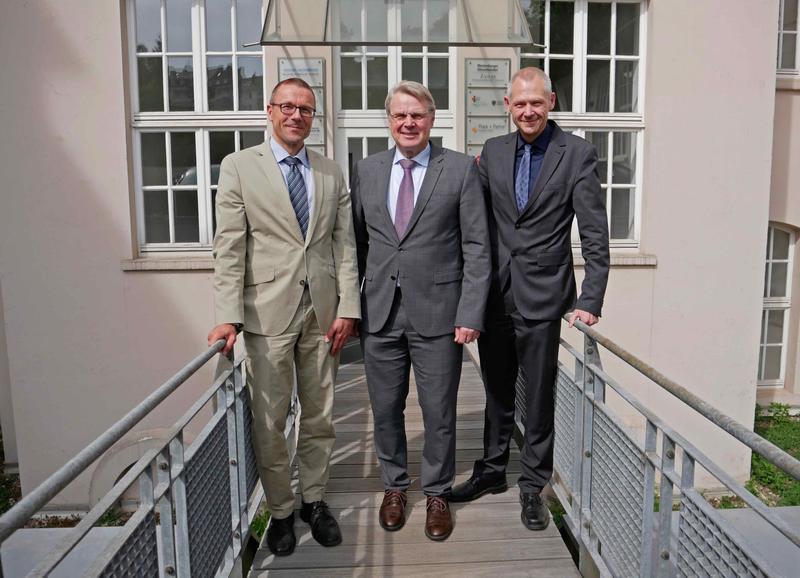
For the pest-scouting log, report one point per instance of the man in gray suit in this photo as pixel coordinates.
(536, 180)
(423, 256)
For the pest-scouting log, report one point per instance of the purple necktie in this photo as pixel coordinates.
(405, 198)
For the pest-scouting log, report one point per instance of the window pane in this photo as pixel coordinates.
(218, 25)
(763, 320)
(251, 83)
(597, 76)
(187, 223)
(535, 62)
(623, 170)
(220, 144)
(376, 144)
(772, 362)
(350, 23)
(151, 84)
(777, 285)
(561, 76)
(156, 217)
(561, 27)
(600, 141)
(179, 26)
(220, 83)
(599, 35)
(775, 325)
(248, 24)
(535, 12)
(628, 29)
(183, 157)
(377, 26)
(766, 280)
(438, 23)
(411, 21)
(179, 78)
(621, 225)
(438, 82)
(351, 82)
(249, 138)
(412, 69)
(377, 82)
(437, 140)
(154, 159)
(780, 244)
(355, 152)
(790, 14)
(788, 54)
(626, 86)
(148, 26)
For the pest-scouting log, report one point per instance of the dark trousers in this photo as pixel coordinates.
(389, 356)
(511, 343)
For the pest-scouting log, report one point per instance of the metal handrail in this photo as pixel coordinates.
(758, 444)
(23, 510)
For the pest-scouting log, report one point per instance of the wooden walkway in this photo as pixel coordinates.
(488, 540)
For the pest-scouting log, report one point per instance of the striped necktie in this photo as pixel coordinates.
(522, 184)
(297, 193)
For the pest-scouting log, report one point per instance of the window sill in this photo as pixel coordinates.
(788, 82)
(207, 263)
(768, 395)
(170, 264)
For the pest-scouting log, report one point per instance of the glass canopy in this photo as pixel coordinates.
(398, 23)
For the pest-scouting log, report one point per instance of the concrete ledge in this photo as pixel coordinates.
(787, 82)
(207, 263)
(768, 395)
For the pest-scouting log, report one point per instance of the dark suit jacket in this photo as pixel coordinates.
(443, 258)
(531, 251)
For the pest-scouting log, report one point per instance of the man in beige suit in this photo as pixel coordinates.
(285, 273)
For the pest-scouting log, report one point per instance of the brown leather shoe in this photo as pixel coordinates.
(439, 524)
(392, 515)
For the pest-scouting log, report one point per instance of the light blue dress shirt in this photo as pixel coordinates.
(417, 175)
(305, 170)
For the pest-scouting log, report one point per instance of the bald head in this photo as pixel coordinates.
(530, 74)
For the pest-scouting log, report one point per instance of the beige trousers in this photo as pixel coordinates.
(271, 365)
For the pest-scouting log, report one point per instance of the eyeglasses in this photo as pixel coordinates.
(288, 109)
(402, 116)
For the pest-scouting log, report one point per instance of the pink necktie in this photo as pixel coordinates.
(405, 198)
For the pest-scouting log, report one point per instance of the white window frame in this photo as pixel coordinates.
(201, 121)
(777, 304)
(795, 70)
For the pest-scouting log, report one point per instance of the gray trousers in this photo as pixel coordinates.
(389, 355)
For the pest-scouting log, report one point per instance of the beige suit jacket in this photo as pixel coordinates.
(262, 263)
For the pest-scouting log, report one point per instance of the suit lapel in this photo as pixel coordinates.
(508, 154)
(383, 176)
(555, 151)
(276, 189)
(428, 183)
(319, 193)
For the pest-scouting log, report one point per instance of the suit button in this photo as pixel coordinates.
(513, 253)
(393, 278)
(302, 282)
(402, 250)
(517, 226)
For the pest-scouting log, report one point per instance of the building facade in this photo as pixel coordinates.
(117, 114)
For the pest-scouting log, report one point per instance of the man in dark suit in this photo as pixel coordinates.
(423, 255)
(535, 181)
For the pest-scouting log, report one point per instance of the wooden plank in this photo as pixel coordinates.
(373, 470)
(419, 554)
(553, 568)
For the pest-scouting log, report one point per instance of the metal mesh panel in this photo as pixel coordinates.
(564, 451)
(250, 465)
(138, 557)
(704, 549)
(208, 502)
(617, 495)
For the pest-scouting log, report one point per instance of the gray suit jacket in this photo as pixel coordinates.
(532, 250)
(442, 261)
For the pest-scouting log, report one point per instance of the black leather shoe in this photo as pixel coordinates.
(477, 486)
(280, 535)
(535, 514)
(324, 526)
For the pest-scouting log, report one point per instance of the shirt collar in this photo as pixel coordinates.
(281, 153)
(421, 159)
(541, 141)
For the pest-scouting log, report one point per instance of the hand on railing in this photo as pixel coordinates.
(226, 331)
(581, 315)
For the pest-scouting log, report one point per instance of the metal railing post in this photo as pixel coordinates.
(663, 563)
(591, 356)
(176, 451)
(233, 471)
(648, 494)
(241, 452)
(166, 518)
